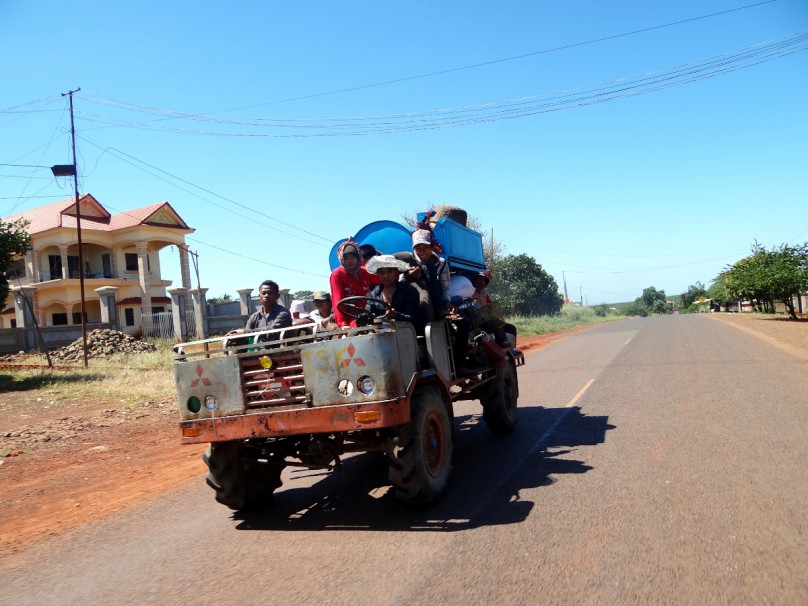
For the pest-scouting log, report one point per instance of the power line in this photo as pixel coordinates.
(114, 151)
(613, 90)
(26, 197)
(25, 165)
(485, 63)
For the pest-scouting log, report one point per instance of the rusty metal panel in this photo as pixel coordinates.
(275, 423)
(213, 381)
(332, 369)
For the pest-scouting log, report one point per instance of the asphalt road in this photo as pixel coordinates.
(656, 460)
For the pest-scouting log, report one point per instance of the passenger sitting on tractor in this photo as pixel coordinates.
(433, 272)
(299, 313)
(367, 251)
(398, 300)
(350, 279)
(490, 320)
(323, 316)
(271, 314)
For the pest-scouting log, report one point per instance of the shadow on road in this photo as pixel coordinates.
(488, 486)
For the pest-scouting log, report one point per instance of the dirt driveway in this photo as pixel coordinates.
(73, 463)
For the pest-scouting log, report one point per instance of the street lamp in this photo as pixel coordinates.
(64, 170)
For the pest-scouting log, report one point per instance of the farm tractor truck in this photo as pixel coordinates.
(298, 397)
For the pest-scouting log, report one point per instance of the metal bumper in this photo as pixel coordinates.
(277, 423)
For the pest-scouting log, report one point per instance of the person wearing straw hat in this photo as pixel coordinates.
(398, 300)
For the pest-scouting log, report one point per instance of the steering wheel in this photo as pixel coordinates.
(348, 306)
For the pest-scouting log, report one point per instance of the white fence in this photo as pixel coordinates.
(161, 325)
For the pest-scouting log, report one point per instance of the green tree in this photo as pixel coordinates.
(221, 299)
(694, 292)
(651, 301)
(303, 295)
(635, 309)
(520, 286)
(771, 275)
(651, 296)
(718, 290)
(14, 242)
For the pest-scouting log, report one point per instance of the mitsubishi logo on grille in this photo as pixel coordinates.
(205, 381)
(351, 350)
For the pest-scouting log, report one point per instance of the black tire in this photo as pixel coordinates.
(420, 455)
(499, 401)
(240, 483)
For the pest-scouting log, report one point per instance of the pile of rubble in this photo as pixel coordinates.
(101, 343)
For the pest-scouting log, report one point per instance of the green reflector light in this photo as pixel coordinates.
(194, 405)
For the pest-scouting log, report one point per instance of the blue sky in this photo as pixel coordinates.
(246, 116)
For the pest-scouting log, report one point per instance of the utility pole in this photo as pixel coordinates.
(566, 296)
(69, 95)
(195, 259)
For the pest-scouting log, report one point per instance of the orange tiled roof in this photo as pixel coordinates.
(96, 217)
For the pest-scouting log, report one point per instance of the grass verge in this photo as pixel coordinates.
(131, 380)
(571, 316)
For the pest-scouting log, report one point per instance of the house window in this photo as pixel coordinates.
(129, 315)
(55, 266)
(131, 262)
(158, 309)
(73, 266)
(106, 264)
(77, 317)
(16, 270)
(60, 319)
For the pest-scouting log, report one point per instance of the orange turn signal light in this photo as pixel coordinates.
(367, 416)
(191, 432)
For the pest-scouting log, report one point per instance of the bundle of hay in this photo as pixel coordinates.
(453, 212)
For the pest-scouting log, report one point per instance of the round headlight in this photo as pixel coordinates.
(210, 402)
(366, 385)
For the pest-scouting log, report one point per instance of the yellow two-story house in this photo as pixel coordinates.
(120, 258)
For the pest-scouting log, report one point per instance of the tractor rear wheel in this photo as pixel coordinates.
(420, 454)
(499, 401)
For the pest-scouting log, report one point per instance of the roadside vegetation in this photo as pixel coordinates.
(128, 381)
(570, 316)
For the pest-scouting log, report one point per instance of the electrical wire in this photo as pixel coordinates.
(613, 90)
(118, 153)
(171, 115)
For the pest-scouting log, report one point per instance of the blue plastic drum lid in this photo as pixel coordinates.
(387, 237)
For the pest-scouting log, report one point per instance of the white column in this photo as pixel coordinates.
(63, 253)
(200, 309)
(185, 267)
(178, 295)
(245, 299)
(144, 276)
(107, 295)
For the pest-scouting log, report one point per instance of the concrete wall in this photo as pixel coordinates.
(14, 340)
